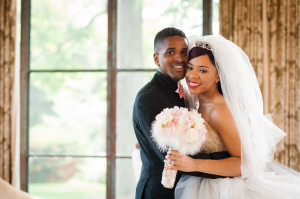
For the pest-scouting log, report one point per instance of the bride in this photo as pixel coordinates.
(220, 75)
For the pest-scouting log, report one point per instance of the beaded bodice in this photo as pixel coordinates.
(213, 142)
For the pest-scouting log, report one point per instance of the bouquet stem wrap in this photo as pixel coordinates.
(168, 177)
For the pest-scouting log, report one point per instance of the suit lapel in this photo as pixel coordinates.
(169, 88)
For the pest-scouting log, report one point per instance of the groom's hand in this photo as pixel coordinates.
(177, 161)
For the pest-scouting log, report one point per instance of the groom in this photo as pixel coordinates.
(170, 55)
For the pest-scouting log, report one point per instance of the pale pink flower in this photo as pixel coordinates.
(179, 129)
(181, 91)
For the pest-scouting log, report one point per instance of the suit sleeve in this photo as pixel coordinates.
(147, 108)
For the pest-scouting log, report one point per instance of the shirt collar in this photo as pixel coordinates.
(169, 82)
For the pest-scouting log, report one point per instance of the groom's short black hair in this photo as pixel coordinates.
(164, 33)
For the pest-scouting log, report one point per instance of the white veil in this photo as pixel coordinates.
(243, 97)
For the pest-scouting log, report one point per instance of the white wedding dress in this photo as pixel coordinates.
(278, 182)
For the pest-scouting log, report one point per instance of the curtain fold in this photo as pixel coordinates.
(268, 31)
(7, 73)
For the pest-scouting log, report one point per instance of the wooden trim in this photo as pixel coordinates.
(90, 70)
(207, 17)
(73, 156)
(24, 82)
(111, 99)
(266, 57)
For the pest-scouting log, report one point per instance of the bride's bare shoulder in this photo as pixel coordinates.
(220, 116)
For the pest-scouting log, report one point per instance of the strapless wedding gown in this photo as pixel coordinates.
(277, 182)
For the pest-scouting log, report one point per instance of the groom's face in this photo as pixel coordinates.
(171, 57)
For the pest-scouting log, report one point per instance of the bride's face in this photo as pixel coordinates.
(201, 75)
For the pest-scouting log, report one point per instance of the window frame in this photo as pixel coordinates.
(111, 71)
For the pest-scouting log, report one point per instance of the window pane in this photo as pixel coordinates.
(68, 34)
(68, 178)
(128, 86)
(125, 182)
(67, 113)
(215, 17)
(137, 26)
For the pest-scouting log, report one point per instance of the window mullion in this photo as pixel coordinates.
(111, 99)
(24, 90)
(207, 17)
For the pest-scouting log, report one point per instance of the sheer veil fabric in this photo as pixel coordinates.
(261, 176)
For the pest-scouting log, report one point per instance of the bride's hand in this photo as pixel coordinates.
(176, 161)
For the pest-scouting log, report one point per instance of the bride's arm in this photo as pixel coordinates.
(222, 121)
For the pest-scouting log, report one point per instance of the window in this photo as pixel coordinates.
(67, 131)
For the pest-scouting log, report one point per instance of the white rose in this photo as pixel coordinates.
(166, 119)
(192, 135)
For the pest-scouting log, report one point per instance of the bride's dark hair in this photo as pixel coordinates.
(197, 52)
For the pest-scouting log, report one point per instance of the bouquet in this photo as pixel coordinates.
(178, 129)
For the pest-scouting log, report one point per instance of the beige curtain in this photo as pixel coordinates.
(268, 31)
(7, 64)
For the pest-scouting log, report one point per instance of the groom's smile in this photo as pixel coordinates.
(179, 68)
